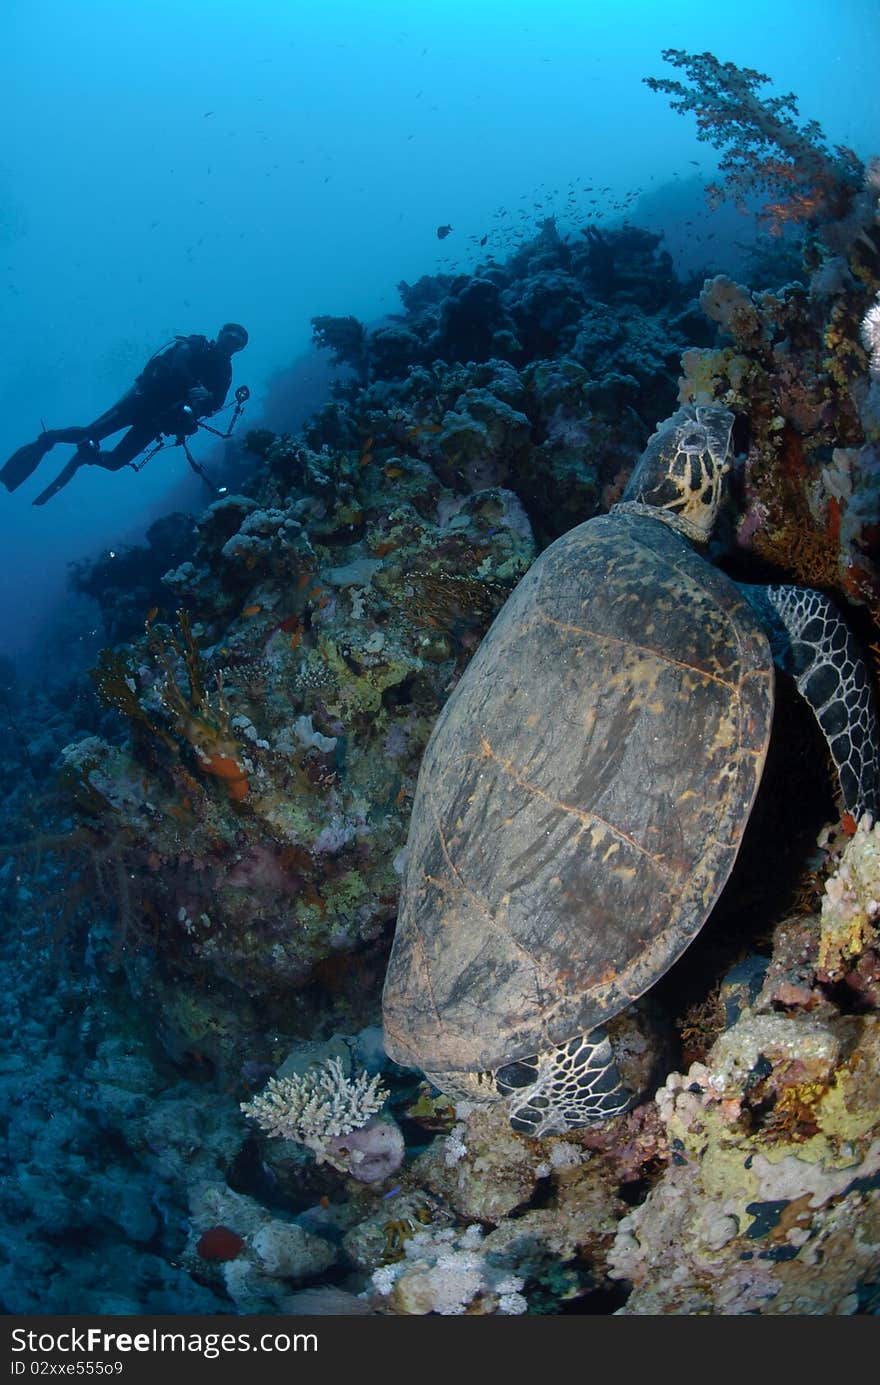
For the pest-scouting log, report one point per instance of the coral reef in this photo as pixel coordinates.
(769, 1203)
(204, 901)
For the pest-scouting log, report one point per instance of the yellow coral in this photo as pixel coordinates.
(794, 1116)
(713, 377)
(846, 357)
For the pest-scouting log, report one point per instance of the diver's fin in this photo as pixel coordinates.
(61, 480)
(24, 462)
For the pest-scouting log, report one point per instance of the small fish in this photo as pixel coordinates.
(443, 232)
(392, 1192)
(207, 113)
(252, 610)
(151, 614)
(483, 240)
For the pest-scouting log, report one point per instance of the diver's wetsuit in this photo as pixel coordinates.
(150, 408)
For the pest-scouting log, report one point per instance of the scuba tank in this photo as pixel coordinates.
(157, 370)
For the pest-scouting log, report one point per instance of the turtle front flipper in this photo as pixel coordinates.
(810, 640)
(564, 1088)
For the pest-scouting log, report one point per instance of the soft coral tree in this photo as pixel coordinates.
(766, 153)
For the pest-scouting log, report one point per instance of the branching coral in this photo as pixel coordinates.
(457, 604)
(314, 1107)
(204, 725)
(116, 688)
(345, 337)
(766, 152)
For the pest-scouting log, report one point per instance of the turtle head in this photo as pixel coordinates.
(680, 472)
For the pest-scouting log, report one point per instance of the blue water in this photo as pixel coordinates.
(170, 166)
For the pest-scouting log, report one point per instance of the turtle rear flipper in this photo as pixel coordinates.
(811, 641)
(564, 1088)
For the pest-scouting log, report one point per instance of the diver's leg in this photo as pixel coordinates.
(115, 418)
(53, 435)
(124, 413)
(88, 453)
(135, 440)
(121, 415)
(25, 461)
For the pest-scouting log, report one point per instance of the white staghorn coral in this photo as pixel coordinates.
(314, 1107)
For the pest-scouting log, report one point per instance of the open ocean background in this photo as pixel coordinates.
(170, 166)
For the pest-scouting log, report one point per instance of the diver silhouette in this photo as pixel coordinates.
(180, 384)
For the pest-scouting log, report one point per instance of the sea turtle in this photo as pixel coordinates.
(585, 790)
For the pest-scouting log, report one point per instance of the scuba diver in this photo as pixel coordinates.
(180, 385)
